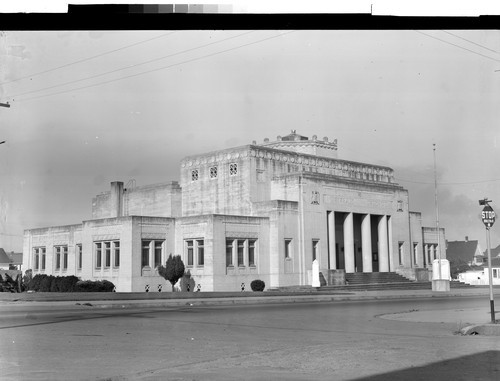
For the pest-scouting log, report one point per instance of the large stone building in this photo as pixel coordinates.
(259, 211)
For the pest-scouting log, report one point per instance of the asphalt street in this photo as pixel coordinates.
(324, 340)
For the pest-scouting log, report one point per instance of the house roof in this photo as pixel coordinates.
(16, 258)
(495, 262)
(495, 252)
(461, 251)
(4, 258)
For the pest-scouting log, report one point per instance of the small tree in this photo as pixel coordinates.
(173, 270)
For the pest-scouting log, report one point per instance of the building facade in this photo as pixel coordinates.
(260, 211)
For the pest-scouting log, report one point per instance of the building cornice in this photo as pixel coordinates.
(326, 165)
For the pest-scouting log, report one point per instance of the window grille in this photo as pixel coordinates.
(233, 169)
(213, 172)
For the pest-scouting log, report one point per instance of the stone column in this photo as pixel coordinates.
(366, 244)
(383, 247)
(331, 240)
(391, 246)
(349, 243)
(426, 254)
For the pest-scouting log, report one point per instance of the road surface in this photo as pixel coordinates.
(366, 340)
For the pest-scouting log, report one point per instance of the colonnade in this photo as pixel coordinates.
(350, 233)
(431, 252)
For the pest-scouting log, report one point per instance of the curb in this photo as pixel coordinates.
(481, 329)
(227, 300)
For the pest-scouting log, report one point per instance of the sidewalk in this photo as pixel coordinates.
(166, 299)
(469, 321)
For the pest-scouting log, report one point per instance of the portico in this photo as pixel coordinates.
(358, 242)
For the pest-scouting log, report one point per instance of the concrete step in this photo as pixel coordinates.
(377, 277)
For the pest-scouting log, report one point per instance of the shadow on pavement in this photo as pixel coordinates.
(479, 366)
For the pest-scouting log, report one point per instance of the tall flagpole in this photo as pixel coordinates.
(437, 210)
(439, 283)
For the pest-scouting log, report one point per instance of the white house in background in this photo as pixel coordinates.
(481, 277)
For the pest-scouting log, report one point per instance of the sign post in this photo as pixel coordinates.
(488, 218)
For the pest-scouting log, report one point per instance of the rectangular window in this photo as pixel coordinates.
(415, 253)
(288, 248)
(145, 253)
(233, 169)
(244, 250)
(58, 257)
(116, 245)
(107, 254)
(78, 249)
(315, 248)
(401, 252)
(229, 252)
(98, 255)
(251, 252)
(190, 252)
(213, 172)
(495, 273)
(65, 257)
(37, 258)
(241, 252)
(43, 258)
(194, 175)
(158, 251)
(201, 252)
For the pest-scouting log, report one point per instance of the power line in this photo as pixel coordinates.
(458, 46)
(128, 67)
(86, 59)
(158, 69)
(472, 42)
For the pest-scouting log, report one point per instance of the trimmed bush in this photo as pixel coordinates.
(34, 284)
(71, 283)
(46, 283)
(94, 286)
(257, 285)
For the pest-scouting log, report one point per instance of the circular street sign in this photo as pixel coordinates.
(488, 216)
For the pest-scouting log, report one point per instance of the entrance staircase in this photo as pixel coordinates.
(372, 282)
(379, 281)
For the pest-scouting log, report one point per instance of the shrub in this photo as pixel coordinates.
(257, 285)
(8, 283)
(68, 283)
(34, 284)
(46, 283)
(173, 270)
(27, 278)
(94, 286)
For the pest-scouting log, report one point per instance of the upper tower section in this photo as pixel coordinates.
(302, 144)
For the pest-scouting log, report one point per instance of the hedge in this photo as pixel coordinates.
(71, 283)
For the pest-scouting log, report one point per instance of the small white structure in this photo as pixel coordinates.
(315, 274)
(441, 275)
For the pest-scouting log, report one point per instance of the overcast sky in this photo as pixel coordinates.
(88, 108)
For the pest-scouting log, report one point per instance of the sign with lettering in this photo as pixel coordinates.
(488, 216)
